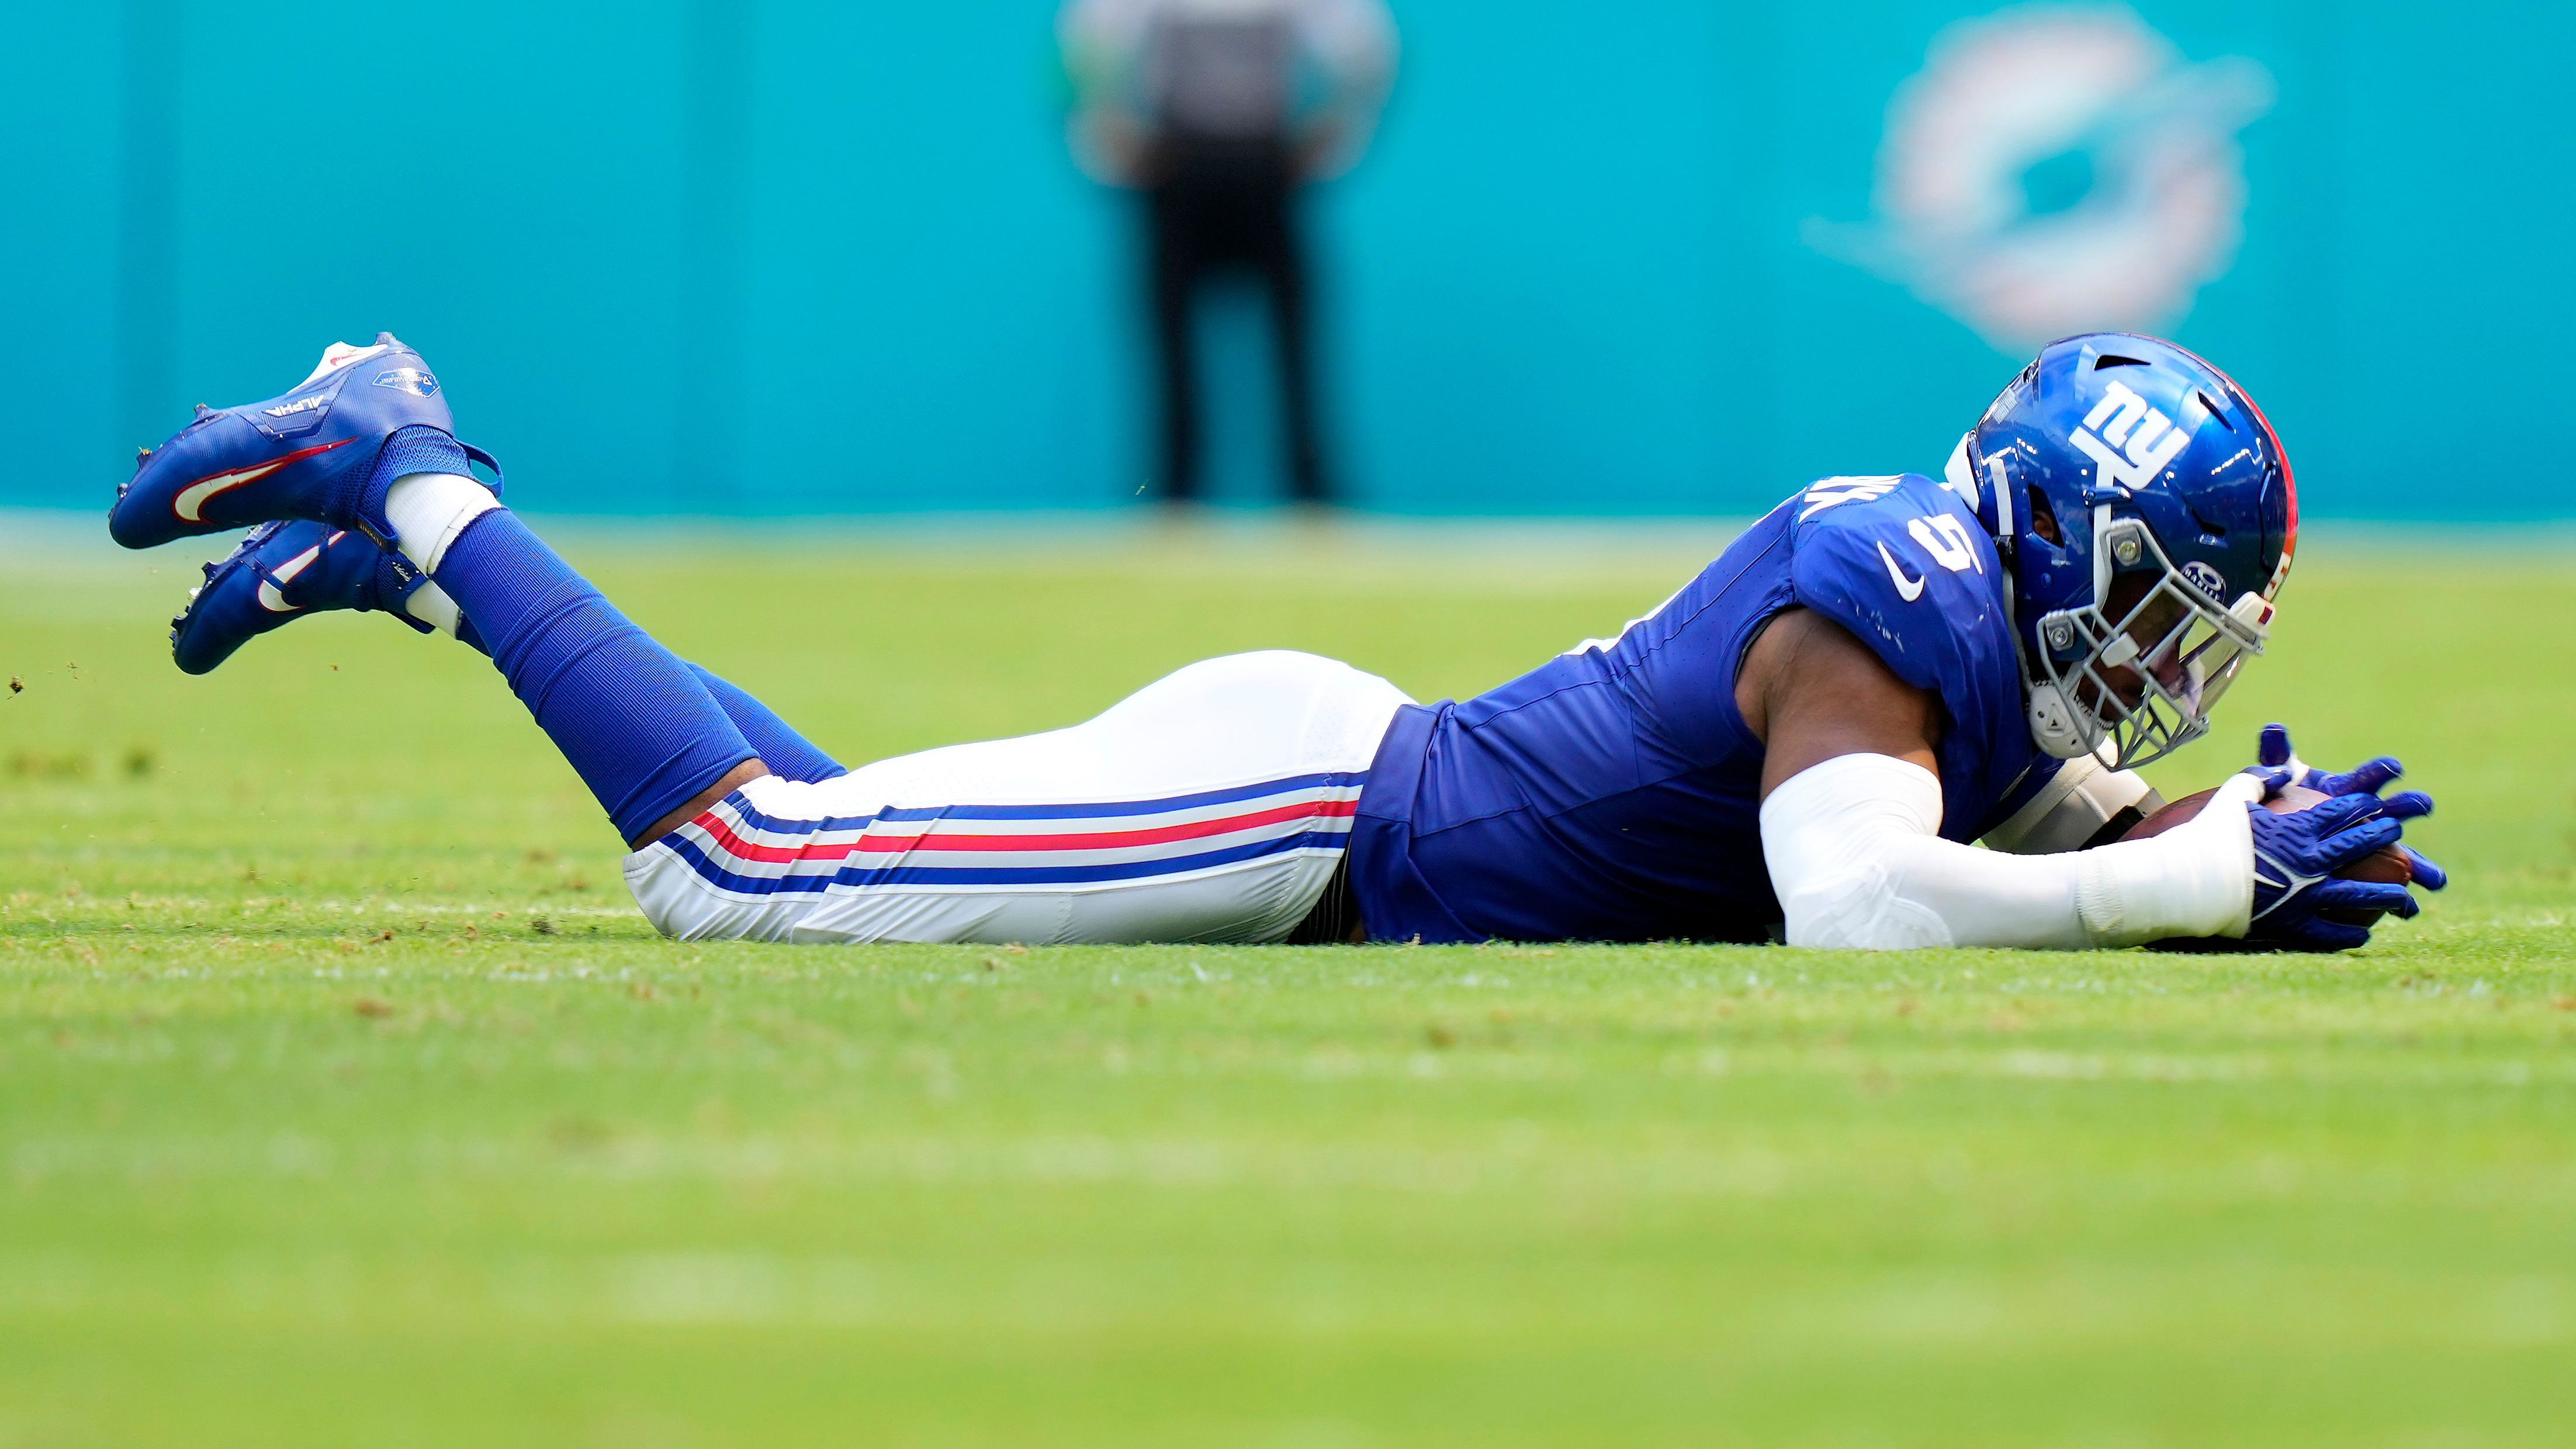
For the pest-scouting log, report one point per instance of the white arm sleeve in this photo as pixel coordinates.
(1857, 861)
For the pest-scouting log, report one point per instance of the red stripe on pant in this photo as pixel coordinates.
(740, 849)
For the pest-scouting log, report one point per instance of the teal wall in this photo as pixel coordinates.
(790, 256)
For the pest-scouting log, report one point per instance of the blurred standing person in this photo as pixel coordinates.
(1220, 111)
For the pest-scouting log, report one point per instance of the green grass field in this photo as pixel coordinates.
(345, 1099)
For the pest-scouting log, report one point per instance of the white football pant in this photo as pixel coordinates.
(1212, 805)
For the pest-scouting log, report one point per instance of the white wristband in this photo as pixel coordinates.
(2196, 879)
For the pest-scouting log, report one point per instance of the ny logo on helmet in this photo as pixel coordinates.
(2129, 439)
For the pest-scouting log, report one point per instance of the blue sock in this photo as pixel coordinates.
(787, 753)
(630, 718)
(781, 748)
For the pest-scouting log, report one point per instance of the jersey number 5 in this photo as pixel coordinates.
(1945, 538)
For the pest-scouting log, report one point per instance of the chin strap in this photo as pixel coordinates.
(2046, 712)
(2005, 533)
(1962, 473)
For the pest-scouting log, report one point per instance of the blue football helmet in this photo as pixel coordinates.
(2148, 517)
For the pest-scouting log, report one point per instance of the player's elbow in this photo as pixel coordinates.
(1840, 839)
(1857, 910)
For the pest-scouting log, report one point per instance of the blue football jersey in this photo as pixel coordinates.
(1614, 792)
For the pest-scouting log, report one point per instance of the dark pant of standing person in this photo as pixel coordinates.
(1221, 204)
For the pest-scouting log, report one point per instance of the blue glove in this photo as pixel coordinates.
(2296, 857)
(2370, 778)
(2274, 752)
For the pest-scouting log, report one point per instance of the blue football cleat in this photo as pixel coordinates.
(306, 454)
(281, 572)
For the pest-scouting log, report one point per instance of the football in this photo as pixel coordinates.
(2385, 866)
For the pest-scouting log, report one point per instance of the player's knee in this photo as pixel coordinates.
(676, 900)
(656, 893)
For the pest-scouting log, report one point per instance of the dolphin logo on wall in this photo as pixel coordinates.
(2056, 169)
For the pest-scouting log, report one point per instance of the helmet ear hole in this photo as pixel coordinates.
(2043, 519)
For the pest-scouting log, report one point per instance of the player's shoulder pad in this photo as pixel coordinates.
(1902, 563)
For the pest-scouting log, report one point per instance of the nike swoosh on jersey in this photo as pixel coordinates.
(192, 499)
(1907, 589)
(275, 602)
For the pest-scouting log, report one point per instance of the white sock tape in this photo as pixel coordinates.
(428, 511)
(430, 604)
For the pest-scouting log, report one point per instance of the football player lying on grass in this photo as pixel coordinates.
(1801, 744)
